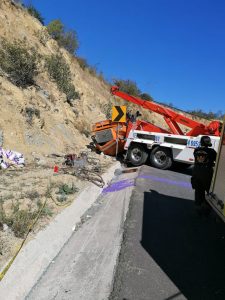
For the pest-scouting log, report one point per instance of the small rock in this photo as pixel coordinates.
(5, 227)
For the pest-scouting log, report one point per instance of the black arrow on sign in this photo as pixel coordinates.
(120, 114)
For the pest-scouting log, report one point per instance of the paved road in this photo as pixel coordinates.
(84, 268)
(168, 251)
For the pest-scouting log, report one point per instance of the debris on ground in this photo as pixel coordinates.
(24, 190)
(10, 158)
(83, 166)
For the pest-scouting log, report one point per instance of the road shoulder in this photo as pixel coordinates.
(35, 257)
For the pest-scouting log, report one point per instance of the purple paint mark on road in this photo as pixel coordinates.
(118, 186)
(165, 180)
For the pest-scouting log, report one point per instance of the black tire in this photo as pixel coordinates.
(161, 158)
(137, 155)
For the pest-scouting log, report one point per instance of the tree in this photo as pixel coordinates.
(66, 39)
(56, 29)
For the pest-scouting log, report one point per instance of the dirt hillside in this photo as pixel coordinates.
(60, 127)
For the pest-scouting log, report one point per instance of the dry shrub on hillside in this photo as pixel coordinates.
(65, 38)
(42, 36)
(19, 219)
(82, 62)
(107, 109)
(30, 113)
(93, 70)
(18, 62)
(83, 127)
(59, 71)
(35, 13)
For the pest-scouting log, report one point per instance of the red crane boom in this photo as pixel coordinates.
(171, 117)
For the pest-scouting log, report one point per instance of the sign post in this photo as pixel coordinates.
(118, 115)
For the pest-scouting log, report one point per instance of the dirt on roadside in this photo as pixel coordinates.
(23, 192)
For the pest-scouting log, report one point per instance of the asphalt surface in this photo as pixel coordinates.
(84, 269)
(168, 251)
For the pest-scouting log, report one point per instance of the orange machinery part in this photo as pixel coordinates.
(109, 147)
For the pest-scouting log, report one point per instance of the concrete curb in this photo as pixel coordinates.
(39, 253)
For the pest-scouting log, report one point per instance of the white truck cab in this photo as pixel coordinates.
(163, 149)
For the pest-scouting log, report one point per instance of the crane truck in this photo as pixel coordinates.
(141, 140)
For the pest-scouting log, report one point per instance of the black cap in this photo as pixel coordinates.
(205, 141)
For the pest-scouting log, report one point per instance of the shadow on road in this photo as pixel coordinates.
(182, 169)
(189, 249)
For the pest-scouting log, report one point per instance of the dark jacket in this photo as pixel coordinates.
(203, 168)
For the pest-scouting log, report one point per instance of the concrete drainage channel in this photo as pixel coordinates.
(94, 247)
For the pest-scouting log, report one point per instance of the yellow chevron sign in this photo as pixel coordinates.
(119, 113)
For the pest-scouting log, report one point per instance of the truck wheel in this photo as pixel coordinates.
(161, 158)
(137, 155)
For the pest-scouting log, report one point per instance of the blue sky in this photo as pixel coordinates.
(173, 49)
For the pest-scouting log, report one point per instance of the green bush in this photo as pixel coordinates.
(3, 217)
(30, 112)
(59, 71)
(19, 62)
(45, 211)
(64, 191)
(107, 110)
(130, 87)
(56, 29)
(82, 62)
(18, 219)
(67, 190)
(146, 96)
(69, 41)
(35, 13)
(102, 77)
(66, 39)
(93, 70)
(127, 86)
(21, 222)
(209, 116)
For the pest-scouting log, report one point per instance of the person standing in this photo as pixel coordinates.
(205, 158)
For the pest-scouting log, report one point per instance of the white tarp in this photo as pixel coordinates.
(9, 157)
